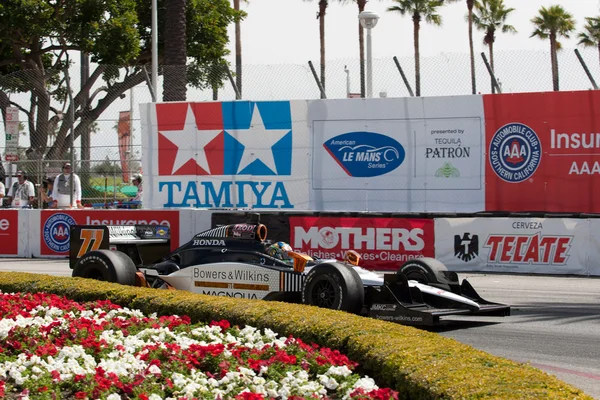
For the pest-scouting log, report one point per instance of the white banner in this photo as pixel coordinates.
(12, 134)
(240, 154)
(516, 245)
(406, 154)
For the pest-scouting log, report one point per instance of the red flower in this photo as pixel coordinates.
(43, 389)
(224, 324)
(80, 395)
(143, 396)
(55, 375)
(249, 396)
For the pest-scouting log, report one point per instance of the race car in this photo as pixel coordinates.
(238, 261)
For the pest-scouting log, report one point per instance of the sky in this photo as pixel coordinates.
(287, 31)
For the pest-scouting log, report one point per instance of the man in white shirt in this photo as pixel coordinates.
(65, 184)
(22, 192)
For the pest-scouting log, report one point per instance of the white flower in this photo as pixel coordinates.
(113, 396)
(154, 369)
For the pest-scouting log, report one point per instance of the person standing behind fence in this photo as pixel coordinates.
(137, 181)
(22, 191)
(63, 188)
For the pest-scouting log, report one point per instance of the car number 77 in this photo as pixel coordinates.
(92, 239)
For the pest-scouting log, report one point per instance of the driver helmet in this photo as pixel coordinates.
(280, 250)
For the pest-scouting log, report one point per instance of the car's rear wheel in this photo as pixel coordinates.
(106, 265)
(334, 286)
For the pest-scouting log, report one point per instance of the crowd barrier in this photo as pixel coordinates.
(519, 243)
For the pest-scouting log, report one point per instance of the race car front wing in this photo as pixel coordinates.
(397, 301)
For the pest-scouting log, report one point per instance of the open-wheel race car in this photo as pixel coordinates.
(238, 261)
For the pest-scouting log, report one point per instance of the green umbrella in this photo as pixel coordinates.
(130, 191)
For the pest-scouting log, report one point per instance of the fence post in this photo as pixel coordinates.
(314, 72)
(492, 76)
(403, 76)
(585, 68)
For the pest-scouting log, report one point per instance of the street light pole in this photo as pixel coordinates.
(368, 20)
(154, 50)
(369, 65)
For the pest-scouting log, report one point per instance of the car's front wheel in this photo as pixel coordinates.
(106, 265)
(334, 286)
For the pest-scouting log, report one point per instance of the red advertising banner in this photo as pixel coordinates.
(383, 243)
(9, 232)
(543, 152)
(54, 225)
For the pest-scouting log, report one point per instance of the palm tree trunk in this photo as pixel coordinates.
(472, 52)
(361, 44)
(175, 76)
(553, 59)
(491, 47)
(416, 24)
(599, 51)
(322, 11)
(238, 50)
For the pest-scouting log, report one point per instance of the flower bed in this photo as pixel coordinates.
(52, 348)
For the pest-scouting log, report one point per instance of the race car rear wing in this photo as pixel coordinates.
(140, 242)
(398, 302)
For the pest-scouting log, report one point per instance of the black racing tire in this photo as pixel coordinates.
(106, 265)
(334, 286)
(417, 270)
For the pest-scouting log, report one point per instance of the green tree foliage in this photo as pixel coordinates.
(37, 36)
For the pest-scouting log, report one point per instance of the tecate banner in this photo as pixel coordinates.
(9, 232)
(529, 245)
(398, 154)
(383, 243)
(240, 154)
(543, 152)
(55, 225)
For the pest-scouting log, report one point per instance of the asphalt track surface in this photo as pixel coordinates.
(554, 323)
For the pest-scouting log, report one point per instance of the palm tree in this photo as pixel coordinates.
(490, 16)
(323, 4)
(361, 44)
(470, 4)
(175, 82)
(553, 22)
(591, 36)
(238, 46)
(419, 9)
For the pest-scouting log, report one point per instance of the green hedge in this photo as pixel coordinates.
(417, 363)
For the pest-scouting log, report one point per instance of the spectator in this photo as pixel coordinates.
(47, 186)
(22, 192)
(2, 191)
(137, 181)
(66, 184)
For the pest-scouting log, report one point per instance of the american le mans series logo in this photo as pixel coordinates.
(56, 232)
(466, 247)
(365, 154)
(515, 152)
(217, 139)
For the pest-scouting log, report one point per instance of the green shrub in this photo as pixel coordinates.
(417, 363)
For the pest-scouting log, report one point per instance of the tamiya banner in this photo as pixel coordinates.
(238, 154)
(9, 232)
(383, 243)
(55, 225)
(543, 152)
(516, 245)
